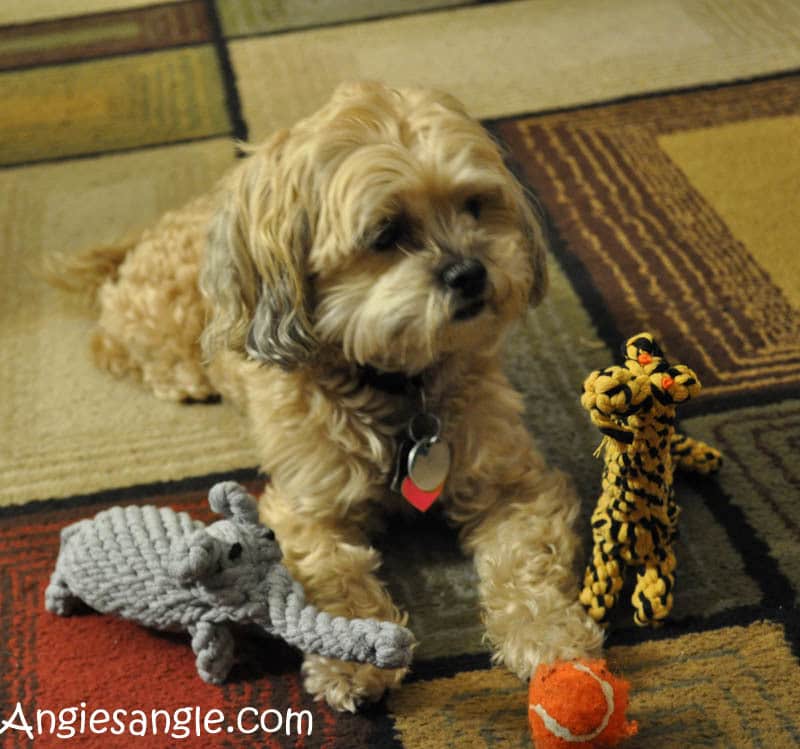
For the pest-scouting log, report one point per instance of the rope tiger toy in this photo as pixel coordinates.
(635, 520)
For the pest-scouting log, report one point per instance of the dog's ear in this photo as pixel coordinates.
(532, 221)
(253, 272)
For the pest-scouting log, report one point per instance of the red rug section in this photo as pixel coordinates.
(94, 663)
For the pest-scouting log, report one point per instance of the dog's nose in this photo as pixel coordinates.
(467, 277)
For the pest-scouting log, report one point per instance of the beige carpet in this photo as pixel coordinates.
(68, 429)
(522, 56)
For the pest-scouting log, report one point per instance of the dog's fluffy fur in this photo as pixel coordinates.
(322, 252)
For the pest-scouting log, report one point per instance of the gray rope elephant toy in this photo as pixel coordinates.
(162, 569)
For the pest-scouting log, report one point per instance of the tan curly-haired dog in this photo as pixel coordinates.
(373, 255)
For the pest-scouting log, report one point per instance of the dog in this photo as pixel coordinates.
(351, 273)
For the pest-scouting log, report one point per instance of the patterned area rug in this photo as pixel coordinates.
(671, 188)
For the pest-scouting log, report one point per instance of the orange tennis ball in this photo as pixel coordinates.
(578, 704)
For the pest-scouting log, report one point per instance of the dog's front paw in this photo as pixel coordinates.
(524, 639)
(345, 685)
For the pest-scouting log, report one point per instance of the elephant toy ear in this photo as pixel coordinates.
(231, 500)
(200, 558)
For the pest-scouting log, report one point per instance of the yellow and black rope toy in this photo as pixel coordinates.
(635, 521)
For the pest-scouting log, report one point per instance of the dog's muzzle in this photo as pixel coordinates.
(467, 279)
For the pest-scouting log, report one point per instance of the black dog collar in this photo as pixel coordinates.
(393, 383)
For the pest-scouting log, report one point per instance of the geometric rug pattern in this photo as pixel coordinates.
(624, 186)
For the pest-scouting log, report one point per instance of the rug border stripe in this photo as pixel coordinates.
(378, 17)
(116, 151)
(233, 101)
(132, 492)
(489, 123)
(759, 564)
(743, 616)
(80, 16)
(101, 18)
(213, 16)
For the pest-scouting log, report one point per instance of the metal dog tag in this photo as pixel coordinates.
(429, 464)
(423, 462)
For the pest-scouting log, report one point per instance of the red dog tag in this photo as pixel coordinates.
(421, 499)
(423, 463)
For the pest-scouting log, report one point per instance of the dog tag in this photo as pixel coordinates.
(423, 462)
(422, 500)
(429, 464)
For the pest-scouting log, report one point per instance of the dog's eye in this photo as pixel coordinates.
(473, 206)
(390, 232)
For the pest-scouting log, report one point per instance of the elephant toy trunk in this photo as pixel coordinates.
(384, 644)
